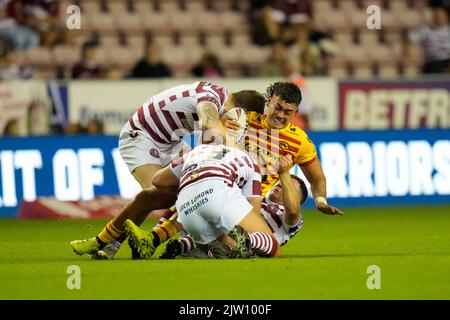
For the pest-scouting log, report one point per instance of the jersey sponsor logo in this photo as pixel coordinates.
(154, 153)
(188, 169)
(284, 145)
(133, 134)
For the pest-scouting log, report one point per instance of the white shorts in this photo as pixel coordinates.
(210, 208)
(137, 148)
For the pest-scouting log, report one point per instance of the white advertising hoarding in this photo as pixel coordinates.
(115, 101)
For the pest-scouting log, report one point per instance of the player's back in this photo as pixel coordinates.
(172, 113)
(217, 161)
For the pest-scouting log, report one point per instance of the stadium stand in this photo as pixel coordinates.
(185, 29)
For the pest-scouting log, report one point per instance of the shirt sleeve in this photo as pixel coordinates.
(177, 166)
(307, 153)
(252, 186)
(210, 96)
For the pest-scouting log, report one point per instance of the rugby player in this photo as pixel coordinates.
(218, 188)
(280, 208)
(272, 135)
(153, 137)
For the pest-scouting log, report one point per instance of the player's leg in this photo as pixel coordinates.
(240, 212)
(262, 239)
(143, 241)
(134, 148)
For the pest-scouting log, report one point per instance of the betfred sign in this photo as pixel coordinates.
(394, 105)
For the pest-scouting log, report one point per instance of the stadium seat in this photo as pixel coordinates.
(136, 41)
(411, 19)
(229, 55)
(174, 57)
(253, 55)
(164, 40)
(343, 38)
(183, 21)
(322, 7)
(334, 20)
(143, 7)
(189, 39)
(169, 6)
(356, 55)
(109, 40)
(411, 70)
(102, 22)
(193, 53)
(369, 38)
(89, 6)
(241, 39)
(390, 22)
(130, 23)
(388, 70)
(195, 6)
(122, 56)
(233, 21)
(382, 54)
(155, 22)
(215, 40)
(66, 55)
(208, 21)
(338, 71)
(362, 71)
(40, 57)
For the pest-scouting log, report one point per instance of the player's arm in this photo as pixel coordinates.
(315, 176)
(313, 172)
(167, 179)
(212, 124)
(291, 197)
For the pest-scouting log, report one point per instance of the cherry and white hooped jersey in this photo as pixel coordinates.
(233, 166)
(274, 215)
(171, 114)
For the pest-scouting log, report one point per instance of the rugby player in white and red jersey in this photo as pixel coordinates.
(153, 137)
(280, 208)
(218, 188)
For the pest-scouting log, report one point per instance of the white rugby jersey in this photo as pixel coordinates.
(274, 215)
(172, 114)
(233, 166)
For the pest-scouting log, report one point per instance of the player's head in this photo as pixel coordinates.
(276, 194)
(283, 99)
(249, 100)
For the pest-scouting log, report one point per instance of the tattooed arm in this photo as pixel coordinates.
(210, 122)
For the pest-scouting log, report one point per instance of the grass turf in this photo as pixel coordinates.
(328, 259)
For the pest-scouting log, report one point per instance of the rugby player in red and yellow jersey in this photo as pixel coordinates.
(271, 136)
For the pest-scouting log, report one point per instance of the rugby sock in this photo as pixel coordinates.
(187, 244)
(111, 233)
(164, 232)
(165, 216)
(263, 244)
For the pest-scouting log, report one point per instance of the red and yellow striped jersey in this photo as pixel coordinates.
(266, 145)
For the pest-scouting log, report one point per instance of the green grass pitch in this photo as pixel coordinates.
(328, 259)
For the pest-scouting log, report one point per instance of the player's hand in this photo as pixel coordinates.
(285, 164)
(230, 123)
(327, 209)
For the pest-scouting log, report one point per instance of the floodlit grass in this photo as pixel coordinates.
(328, 259)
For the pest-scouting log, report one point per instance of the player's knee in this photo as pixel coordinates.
(163, 183)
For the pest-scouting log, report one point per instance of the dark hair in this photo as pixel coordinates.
(249, 100)
(303, 189)
(91, 43)
(287, 91)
